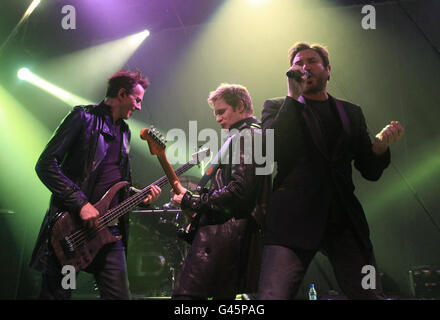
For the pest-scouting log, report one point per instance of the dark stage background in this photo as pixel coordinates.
(392, 72)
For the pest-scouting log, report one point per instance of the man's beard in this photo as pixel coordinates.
(319, 86)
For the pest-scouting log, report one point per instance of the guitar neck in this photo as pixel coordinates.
(169, 171)
(137, 198)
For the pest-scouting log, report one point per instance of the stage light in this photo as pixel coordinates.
(23, 139)
(25, 16)
(256, 2)
(97, 65)
(23, 73)
(69, 98)
(137, 38)
(31, 8)
(72, 100)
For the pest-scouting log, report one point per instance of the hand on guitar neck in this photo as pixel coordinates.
(156, 143)
(178, 191)
(155, 193)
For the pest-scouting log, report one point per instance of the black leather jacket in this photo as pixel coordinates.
(68, 164)
(224, 258)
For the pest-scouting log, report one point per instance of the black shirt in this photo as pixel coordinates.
(329, 121)
(109, 171)
(331, 126)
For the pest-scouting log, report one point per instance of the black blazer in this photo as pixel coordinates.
(309, 176)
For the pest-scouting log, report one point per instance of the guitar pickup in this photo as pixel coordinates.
(67, 246)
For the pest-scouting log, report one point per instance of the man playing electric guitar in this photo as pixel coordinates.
(86, 156)
(224, 258)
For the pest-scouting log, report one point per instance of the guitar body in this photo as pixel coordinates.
(77, 245)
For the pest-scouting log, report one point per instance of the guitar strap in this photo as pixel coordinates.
(219, 158)
(215, 163)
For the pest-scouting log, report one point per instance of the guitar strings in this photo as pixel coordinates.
(122, 208)
(78, 237)
(115, 212)
(85, 233)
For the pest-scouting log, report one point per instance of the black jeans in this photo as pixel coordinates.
(283, 269)
(109, 269)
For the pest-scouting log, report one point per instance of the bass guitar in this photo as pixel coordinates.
(76, 245)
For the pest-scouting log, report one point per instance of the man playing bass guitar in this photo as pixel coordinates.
(87, 155)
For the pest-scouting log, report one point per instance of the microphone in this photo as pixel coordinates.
(296, 74)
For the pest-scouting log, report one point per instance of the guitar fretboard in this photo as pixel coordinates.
(137, 198)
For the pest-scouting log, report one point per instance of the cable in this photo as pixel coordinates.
(434, 222)
(418, 28)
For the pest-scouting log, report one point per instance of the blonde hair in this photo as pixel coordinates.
(232, 94)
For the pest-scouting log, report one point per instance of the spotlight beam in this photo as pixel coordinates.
(69, 98)
(96, 63)
(72, 100)
(25, 16)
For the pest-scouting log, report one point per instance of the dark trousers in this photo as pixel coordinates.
(109, 269)
(283, 269)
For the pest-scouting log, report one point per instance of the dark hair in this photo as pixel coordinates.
(232, 94)
(125, 79)
(319, 49)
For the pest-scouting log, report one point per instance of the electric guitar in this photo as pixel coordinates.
(76, 245)
(187, 234)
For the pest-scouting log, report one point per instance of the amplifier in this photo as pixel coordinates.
(424, 281)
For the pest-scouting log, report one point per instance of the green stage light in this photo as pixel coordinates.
(31, 8)
(69, 98)
(23, 73)
(419, 173)
(72, 100)
(256, 2)
(23, 139)
(25, 16)
(96, 64)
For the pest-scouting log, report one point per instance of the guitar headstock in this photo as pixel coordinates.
(156, 141)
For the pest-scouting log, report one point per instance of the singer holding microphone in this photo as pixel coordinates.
(313, 207)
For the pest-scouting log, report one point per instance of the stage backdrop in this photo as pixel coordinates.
(392, 72)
